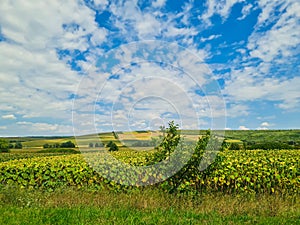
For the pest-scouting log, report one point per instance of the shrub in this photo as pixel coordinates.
(112, 146)
(68, 144)
(4, 145)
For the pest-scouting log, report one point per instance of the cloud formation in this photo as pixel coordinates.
(251, 49)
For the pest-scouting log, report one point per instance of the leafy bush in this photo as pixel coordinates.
(4, 145)
(68, 144)
(18, 145)
(112, 146)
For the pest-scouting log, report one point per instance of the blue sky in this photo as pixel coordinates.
(100, 65)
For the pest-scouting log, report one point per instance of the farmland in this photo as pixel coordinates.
(238, 186)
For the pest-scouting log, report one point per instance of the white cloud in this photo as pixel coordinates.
(35, 82)
(247, 84)
(39, 128)
(245, 11)
(9, 117)
(211, 37)
(282, 40)
(3, 127)
(265, 124)
(101, 2)
(243, 128)
(222, 8)
(158, 3)
(237, 110)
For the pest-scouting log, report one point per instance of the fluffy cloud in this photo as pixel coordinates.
(265, 124)
(49, 49)
(243, 128)
(9, 117)
(275, 48)
(35, 82)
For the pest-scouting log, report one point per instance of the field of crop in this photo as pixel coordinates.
(240, 171)
(236, 184)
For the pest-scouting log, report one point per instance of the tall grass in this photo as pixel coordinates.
(147, 206)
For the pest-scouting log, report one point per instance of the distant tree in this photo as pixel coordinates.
(97, 145)
(68, 144)
(116, 136)
(91, 145)
(112, 146)
(10, 145)
(4, 145)
(18, 145)
(56, 145)
(163, 130)
(46, 145)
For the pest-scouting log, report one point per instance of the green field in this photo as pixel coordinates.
(57, 186)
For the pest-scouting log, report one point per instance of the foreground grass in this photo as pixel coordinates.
(148, 206)
(95, 215)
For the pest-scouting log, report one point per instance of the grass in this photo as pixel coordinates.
(95, 215)
(147, 206)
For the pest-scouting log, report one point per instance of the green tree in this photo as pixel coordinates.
(46, 145)
(4, 145)
(68, 144)
(98, 145)
(18, 145)
(169, 143)
(112, 146)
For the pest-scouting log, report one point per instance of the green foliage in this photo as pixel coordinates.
(67, 144)
(55, 145)
(206, 169)
(233, 172)
(234, 146)
(262, 136)
(169, 143)
(112, 146)
(46, 145)
(205, 153)
(4, 145)
(18, 145)
(116, 136)
(98, 145)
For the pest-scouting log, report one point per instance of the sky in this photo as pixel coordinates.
(84, 66)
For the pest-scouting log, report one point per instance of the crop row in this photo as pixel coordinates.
(254, 171)
(259, 171)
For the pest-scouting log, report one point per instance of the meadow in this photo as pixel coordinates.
(59, 186)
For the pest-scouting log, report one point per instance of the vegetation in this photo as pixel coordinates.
(147, 206)
(245, 186)
(68, 144)
(112, 146)
(4, 145)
